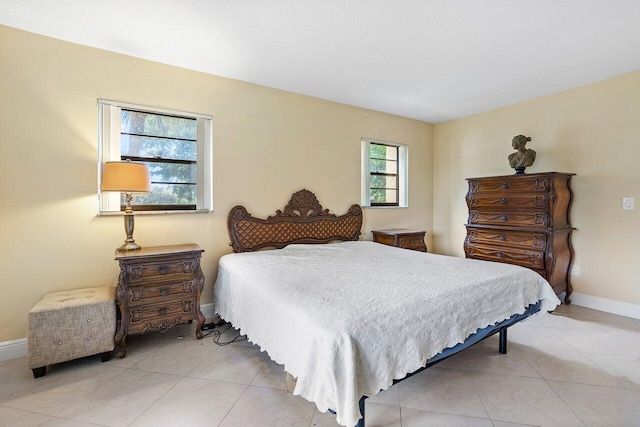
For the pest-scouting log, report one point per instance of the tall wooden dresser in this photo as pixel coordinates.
(523, 219)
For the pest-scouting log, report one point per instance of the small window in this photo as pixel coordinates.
(384, 173)
(176, 146)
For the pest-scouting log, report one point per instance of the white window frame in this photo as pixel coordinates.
(109, 150)
(403, 173)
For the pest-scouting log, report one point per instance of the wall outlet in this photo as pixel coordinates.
(628, 203)
(575, 270)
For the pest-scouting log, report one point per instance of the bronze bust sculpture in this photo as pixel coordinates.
(522, 158)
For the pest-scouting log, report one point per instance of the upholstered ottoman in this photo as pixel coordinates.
(71, 324)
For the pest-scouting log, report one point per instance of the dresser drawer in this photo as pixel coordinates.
(144, 294)
(509, 183)
(519, 239)
(538, 220)
(153, 312)
(508, 201)
(162, 269)
(530, 259)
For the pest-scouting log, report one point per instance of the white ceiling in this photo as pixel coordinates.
(431, 60)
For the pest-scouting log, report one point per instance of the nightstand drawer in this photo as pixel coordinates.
(146, 294)
(411, 242)
(159, 270)
(152, 312)
(401, 238)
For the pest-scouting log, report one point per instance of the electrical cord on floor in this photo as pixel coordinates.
(219, 330)
(209, 332)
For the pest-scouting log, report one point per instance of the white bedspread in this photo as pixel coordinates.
(348, 318)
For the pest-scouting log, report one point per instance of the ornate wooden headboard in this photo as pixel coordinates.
(302, 221)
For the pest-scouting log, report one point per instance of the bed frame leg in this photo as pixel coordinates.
(503, 341)
(361, 406)
(290, 382)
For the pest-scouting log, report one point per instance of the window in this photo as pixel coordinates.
(176, 146)
(384, 173)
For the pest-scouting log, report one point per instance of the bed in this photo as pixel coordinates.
(351, 318)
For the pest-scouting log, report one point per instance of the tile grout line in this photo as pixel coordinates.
(246, 387)
(563, 401)
(159, 397)
(75, 421)
(481, 401)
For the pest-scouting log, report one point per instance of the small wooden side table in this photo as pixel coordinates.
(401, 238)
(158, 288)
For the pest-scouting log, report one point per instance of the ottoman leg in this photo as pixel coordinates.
(39, 372)
(106, 356)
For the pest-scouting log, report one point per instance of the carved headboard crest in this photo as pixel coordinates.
(302, 204)
(303, 220)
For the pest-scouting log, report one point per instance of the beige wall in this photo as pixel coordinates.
(267, 144)
(593, 131)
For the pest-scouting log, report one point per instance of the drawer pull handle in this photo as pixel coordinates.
(163, 310)
(502, 238)
(164, 291)
(503, 201)
(505, 185)
(499, 254)
(163, 269)
(503, 217)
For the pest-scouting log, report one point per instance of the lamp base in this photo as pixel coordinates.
(129, 243)
(129, 246)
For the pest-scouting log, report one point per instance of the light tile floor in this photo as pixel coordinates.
(577, 367)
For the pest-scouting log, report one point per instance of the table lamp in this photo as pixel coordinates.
(126, 177)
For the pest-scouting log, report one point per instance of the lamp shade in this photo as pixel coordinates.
(126, 177)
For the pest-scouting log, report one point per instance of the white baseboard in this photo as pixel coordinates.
(207, 310)
(18, 348)
(620, 308)
(13, 349)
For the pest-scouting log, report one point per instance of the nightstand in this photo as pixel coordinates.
(158, 288)
(401, 238)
